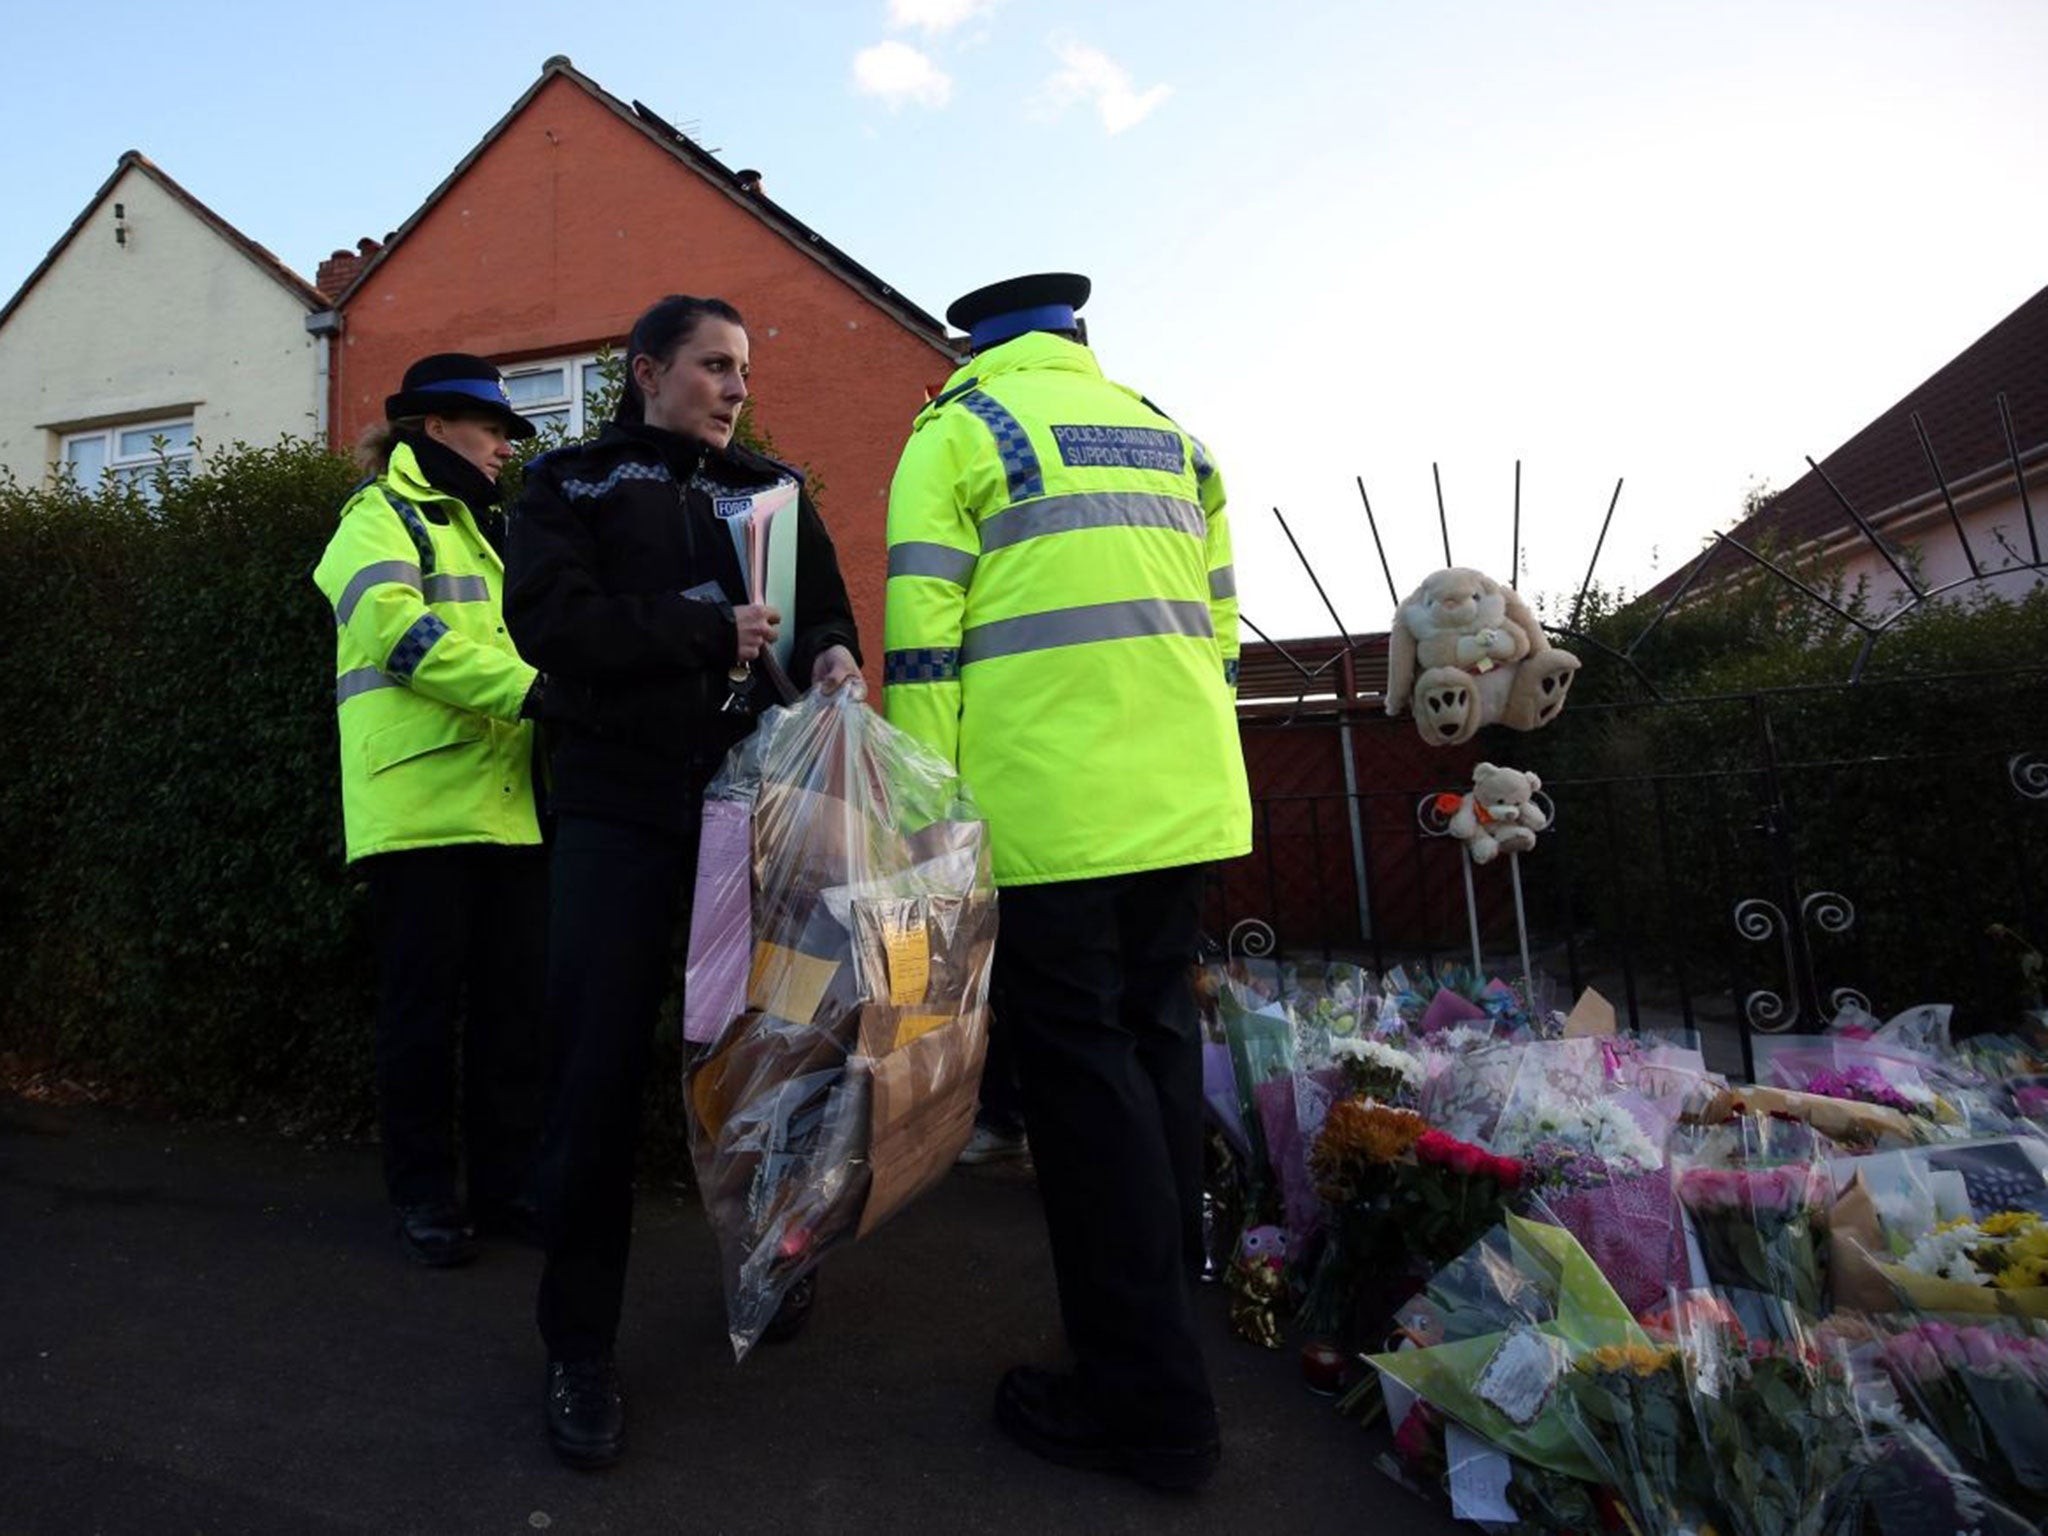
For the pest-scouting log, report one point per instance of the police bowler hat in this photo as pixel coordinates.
(456, 384)
(1042, 301)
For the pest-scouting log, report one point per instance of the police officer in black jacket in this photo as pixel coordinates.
(626, 589)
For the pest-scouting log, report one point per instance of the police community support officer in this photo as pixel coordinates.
(1062, 625)
(438, 803)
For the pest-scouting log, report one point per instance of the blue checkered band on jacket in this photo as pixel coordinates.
(413, 646)
(584, 490)
(1230, 671)
(929, 665)
(415, 526)
(1020, 459)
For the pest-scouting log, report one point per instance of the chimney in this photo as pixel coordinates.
(336, 273)
(749, 182)
(343, 267)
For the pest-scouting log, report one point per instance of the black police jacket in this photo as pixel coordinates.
(620, 585)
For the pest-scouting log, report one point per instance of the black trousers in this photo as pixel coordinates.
(1093, 979)
(461, 936)
(619, 893)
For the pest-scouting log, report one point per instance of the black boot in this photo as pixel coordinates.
(586, 1414)
(438, 1234)
(1050, 1415)
(794, 1312)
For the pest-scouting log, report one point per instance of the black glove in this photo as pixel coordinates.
(534, 705)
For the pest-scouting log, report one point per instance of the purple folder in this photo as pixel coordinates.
(721, 923)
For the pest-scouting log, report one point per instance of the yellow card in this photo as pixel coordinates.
(789, 983)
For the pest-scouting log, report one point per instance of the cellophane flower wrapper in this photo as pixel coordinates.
(1980, 1385)
(1523, 1307)
(1259, 1036)
(1777, 1417)
(1464, 1090)
(1757, 1190)
(1631, 1228)
(848, 1083)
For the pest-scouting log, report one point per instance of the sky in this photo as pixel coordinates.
(1678, 246)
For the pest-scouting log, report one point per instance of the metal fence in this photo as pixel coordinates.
(1747, 864)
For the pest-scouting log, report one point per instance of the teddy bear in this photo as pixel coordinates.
(1500, 815)
(1256, 1281)
(1465, 651)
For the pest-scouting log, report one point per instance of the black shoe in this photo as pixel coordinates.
(438, 1234)
(516, 1220)
(794, 1312)
(1048, 1414)
(586, 1414)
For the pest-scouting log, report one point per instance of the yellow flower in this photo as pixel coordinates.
(1642, 1359)
(2009, 1223)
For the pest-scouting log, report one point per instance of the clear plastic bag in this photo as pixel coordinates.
(847, 1083)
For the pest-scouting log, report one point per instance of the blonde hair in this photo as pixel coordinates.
(373, 448)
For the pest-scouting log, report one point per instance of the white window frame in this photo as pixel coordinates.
(134, 468)
(572, 369)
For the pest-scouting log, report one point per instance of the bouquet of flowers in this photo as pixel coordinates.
(1982, 1387)
(1366, 1268)
(1758, 1192)
(1777, 1420)
(1630, 1410)
(1432, 999)
(1541, 1304)
(1375, 1069)
(1454, 1191)
(1994, 1263)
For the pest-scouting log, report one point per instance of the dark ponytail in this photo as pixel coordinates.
(657, 334)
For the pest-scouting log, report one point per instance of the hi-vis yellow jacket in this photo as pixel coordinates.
(427, 684)
(1062, 619)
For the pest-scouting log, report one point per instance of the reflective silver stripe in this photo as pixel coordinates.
(361, 680)
(1223, 581)
(404, 572)
(1081, 626)
(1091, 509)
(457, 589)
(940, 560)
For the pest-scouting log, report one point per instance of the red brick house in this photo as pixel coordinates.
(577, 211)
(1884, 473)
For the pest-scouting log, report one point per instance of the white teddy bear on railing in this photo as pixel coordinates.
(1500, 815)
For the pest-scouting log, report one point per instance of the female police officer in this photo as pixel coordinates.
(438, 803)
(628, 591)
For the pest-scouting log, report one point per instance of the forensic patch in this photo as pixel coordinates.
(1089, 447)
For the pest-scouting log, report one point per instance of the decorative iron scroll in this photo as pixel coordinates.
(1771, 1012)
(1250, 936)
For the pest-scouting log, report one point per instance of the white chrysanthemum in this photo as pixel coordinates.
(1597, 1127)
(1945, 1255)
(1379, 1056)
(1613, 1136)
(1458, 1038)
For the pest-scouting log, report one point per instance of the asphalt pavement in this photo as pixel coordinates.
(204, 1329)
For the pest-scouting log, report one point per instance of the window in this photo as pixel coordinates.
(130, 454)
(563, 395)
